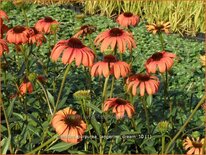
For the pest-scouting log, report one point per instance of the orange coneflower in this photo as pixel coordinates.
(127, 19)
(115, 38)
(73, 49)
(145, 83)
(25, 87)
(18, 35)
(69, 125)
(85, 30)
(36, 37)
(3, 47)
(44, 25)
(159, 27)
(3, 27)
(193, 146)
(119, 106)
(110, 65)
(161, 60)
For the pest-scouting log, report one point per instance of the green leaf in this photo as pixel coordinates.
(6, 144)
(96, 125)
(51, 98)
(149, 100)
(95, 108)
(63, 100)
(9, 110)
(61, 146)
(94, 143)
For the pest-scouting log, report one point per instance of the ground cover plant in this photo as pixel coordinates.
(74, 83)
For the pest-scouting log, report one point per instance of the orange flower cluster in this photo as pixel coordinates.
(67, 123)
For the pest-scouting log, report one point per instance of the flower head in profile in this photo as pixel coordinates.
(82, 95)
(162, 61)
(44, 25)
(110, 65)
(3, 27)
(69, 125)
(85, 30)
(119, 107)
(127, 19)
(142, 83)
(73, 49)
(3, 47)
(193, 146)
(36, 37)
(115, 37)
(159, 27)
(18, 35)
(26, 87)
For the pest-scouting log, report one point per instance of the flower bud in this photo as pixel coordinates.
(163, 126)
(82, 94)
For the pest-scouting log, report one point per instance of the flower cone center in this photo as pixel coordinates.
(143, 77)
(110, 58)
(115, 32)
(73, 120)
(121, 101)
(48, 19)
(197, 144)
(159, 27)
(88, 29)
(19, 29)
(157, 56)
(34, 30)
(128, 14)
(75, 43)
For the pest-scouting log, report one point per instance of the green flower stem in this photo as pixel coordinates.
(84, 115)
(121, 56)
(146, 114)
(162, 41)
(104, 93)
(55, 36)
(104, 96)
(165, 89)
(43, 145)
(25, 17)
(92, 44)
(49, 41)
(25, 59)
(46, 95)
(110, 146)
(101, 148)
(7, 64)
(112, 87)
(185, 124)
(131, 98)
(7, 122)
(62, 85)
(163, 143)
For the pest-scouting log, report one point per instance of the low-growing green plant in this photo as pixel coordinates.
(40, 94)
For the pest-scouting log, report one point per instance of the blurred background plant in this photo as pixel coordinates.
(186, 17)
